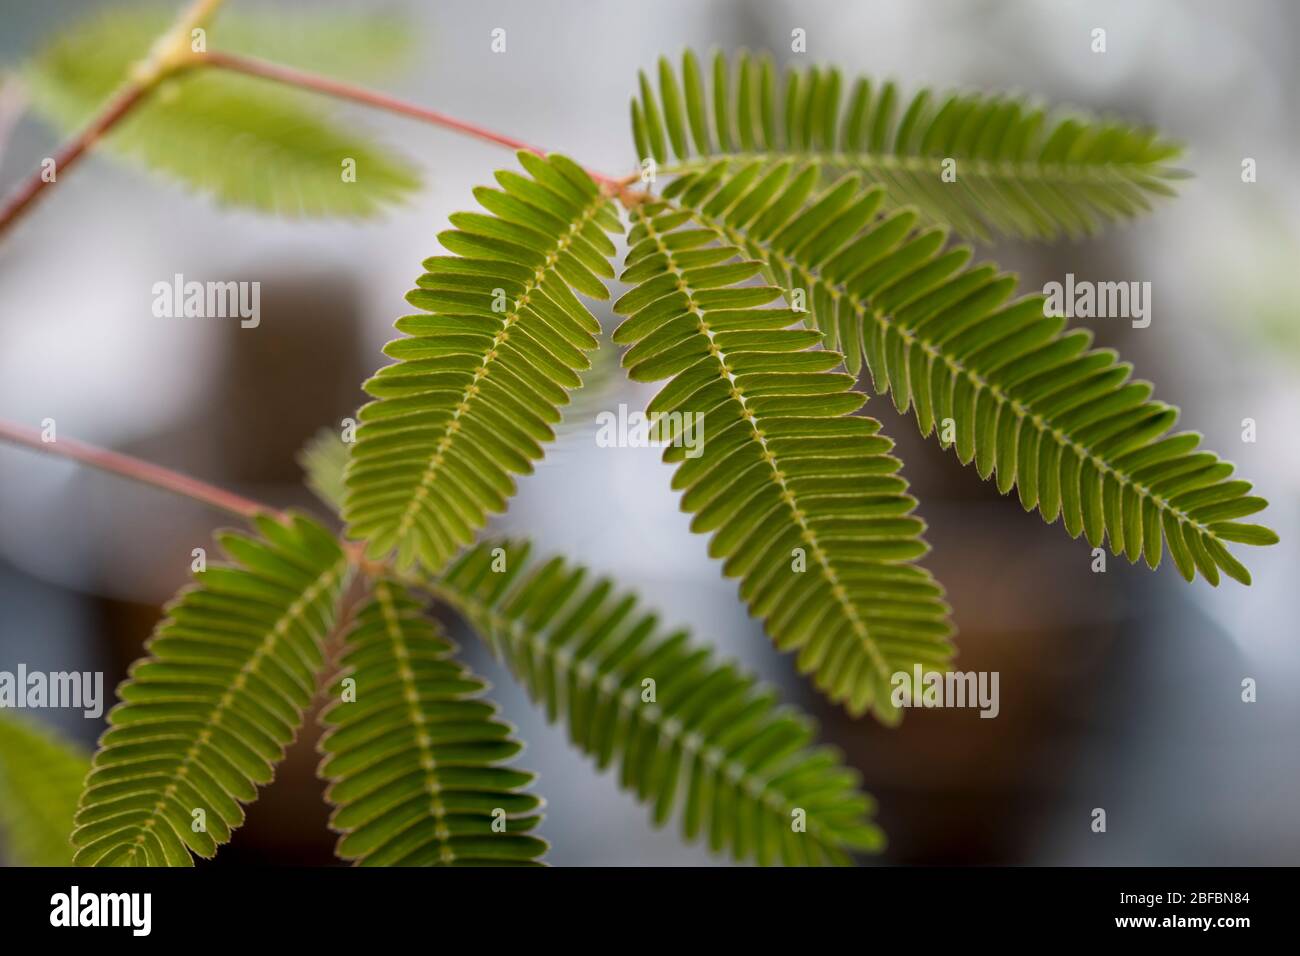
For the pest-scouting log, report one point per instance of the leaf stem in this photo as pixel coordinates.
(347, 91)
(157, 476)
(171, 53)
(330, 87)
(68, 154)
(136, 469)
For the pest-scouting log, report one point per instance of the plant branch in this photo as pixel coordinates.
(68, 154)
(171, 53)
(136, 469)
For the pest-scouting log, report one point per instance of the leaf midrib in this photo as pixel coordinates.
(787, 496)
(294, 612)
(474, 388)
(1017, 171)
(977, 380)
(411, 694)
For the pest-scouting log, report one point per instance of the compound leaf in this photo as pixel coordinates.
(414, 753)
(205, 717)
(482, 372)
(690, 735)
(986, 165)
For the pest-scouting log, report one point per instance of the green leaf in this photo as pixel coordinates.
(1028, 401)
(704, 741)
(41, 776)
(245, 141)
(415, 755)
(804, 502)
(205, 717)
(1017, 172)
(323, 459)
(482, 372)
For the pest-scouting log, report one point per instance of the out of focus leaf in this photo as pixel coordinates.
(245, 141)
(323, 459)
(40, 782)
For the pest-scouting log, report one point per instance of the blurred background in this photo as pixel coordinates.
(1119, 690)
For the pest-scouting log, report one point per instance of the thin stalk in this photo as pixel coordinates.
(347, 91)
(68, 154)
(156, 476)
(136, 469)
(170, 54)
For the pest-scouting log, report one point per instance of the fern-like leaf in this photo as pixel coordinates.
(240, 139)
(710, 742)
(41, 777)
(802, 498)
(204, 719)
(415, 757)
(481, 375)
(1017, 172)
(1028, 400)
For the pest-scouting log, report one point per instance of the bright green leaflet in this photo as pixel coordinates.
(1011, 170)
(1021, 397)
(205, 718)
(482, 373)
(415, 755)
(801, 496)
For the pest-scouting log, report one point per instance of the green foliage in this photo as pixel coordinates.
(589, 664)
(1029, 401)
(206, 716)
(41, 776)
(799, 187)
(1017, 172)
(786, 474)
(323, 460)
(480, 377)
(712, 742)
(245, 141)
(416, 758)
